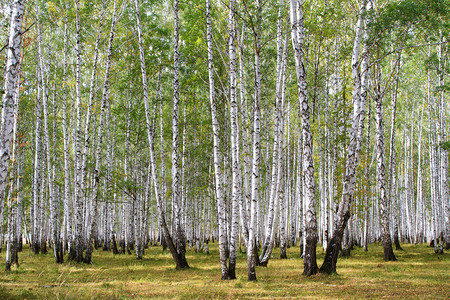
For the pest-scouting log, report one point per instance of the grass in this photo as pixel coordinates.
(418, 273)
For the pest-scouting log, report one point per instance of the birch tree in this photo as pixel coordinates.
(78, 203)
(176, 199)
(225, 273)
(252, 251)
(10, 87)
(179, 260)
(353, 153)
(381, 174)
(105, 100)
(12, 75)
(297, 33)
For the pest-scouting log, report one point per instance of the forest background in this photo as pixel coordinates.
(255, 124)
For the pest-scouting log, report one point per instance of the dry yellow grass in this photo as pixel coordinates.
(418, 273)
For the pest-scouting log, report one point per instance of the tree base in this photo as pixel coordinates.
(389, 254)
(397, 245)
(331, 256)
(310, 260)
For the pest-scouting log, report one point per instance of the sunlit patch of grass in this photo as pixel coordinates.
(418, 273)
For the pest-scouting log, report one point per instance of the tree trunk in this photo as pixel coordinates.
(419, 200)
(179, 261)
(252, 251)
(297, 23)
(353, 153)
(14, 191)
(443, 109)
(216, 140)
(179, 233)
(381, 176)
(391, 179)
(12, 70)
(244, 204)
(78, 207)
(98, 154)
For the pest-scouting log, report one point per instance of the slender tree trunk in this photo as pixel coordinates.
(298, 36)
(391, 180)
(216, 140)
(368, 185)
(179, 233)
(36, 178)
(236, 175)
(381, 176)
(419, 200)
(78, 207)
(273, 198)
(109, 192)
(12, 75)
(223, 245)
(252, 251)
(98, 154)
(68, 212)
(14, 191)
(12, 70)
(180, 263)
(434, 173)
(443, 113)
(162, 153)
(353, 153)
(244, 204)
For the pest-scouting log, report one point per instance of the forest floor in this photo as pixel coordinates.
(418, 273)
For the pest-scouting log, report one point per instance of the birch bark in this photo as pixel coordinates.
(105, 100)
(12, 71)
(273, 199)
(443, 109)
(298, 36)
(78, 203)
(176, 182)
(391, 180)
(353, 153)
(216, 140)
(381, 175)
(87, 137)
(252, 236)
(180, 263)
(244, 204)
(419, 200)
(51, 198)
(236, 176)
(14, 192)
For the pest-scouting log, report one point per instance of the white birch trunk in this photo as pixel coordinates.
(14, 191)
(162, 217)
(244, 204)
(251, 247)
(381, 175)
(78, 203)
(353, 153)
(12, 71)
(216, 140)
(419, 201)
(176, 182)
(98, 153)
(443, 109)
(276, 148)
(52, 201)
(298, 36)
